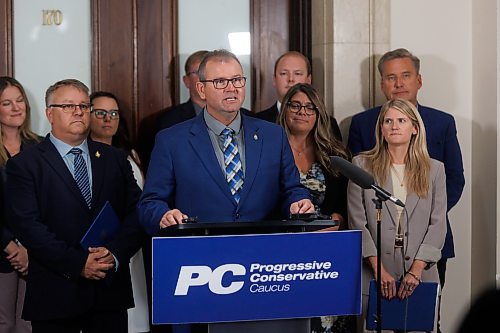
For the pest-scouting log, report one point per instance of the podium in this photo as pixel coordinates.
(255, 276)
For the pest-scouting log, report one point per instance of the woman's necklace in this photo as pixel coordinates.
(398, 176)
(300, 152)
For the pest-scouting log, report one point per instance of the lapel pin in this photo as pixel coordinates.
(97, 154)
(255, 137)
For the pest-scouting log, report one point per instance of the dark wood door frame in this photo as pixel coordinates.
(135, 52)
(6, 59)
(277, 26)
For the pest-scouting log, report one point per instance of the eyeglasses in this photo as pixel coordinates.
(100, 114)
(238, 82)
(309, 109)
(67, 108)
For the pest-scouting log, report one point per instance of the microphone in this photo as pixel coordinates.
(362, 178)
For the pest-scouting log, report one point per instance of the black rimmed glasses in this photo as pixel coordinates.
(237, 82)
(100, 114)
(70, 108)
(309, 109)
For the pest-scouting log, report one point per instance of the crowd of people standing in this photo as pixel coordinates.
(254, 165)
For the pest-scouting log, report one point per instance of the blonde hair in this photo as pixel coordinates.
(25, 128)
(417, 159)
(325, 143)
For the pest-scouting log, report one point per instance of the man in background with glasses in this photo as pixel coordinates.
(56, 190)
(221, 166)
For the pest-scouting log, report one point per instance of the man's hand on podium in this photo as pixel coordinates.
(172, 217)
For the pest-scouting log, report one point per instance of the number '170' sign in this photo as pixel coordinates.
(51, 17)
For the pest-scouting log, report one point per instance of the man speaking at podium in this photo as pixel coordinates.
(221, 166)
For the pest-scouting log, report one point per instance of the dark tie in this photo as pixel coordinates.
(81, 175)
(232, 162)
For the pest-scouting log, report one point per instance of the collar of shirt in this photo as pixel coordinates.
(217, 127)
(63, 148)
(278, 105)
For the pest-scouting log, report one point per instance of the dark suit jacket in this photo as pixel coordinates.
(442, 143)
(176, 114)
(335, 195)
(184, 173)
(5, 234)
(179, 113)
(48, 214)
(271, 114)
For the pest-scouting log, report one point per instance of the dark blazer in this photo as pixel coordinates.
(184, 173)
(271, 114)
(176, 114)
(179, 113)
(442, 143)
(5, 234)
(48, 214)
(335, 195)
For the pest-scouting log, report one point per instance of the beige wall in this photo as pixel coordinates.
(459, 69)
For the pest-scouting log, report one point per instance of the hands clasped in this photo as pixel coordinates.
(406, 287)
(99, 262)
(18, 258)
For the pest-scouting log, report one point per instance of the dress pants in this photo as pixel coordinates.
(11, 304)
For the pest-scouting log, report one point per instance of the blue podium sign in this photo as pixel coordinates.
(256, 277)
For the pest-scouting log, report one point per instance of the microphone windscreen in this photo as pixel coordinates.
(353, 172)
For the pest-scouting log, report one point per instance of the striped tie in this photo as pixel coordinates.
(81, 175)
(232, 162)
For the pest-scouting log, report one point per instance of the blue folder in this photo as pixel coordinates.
(416, 313)
(102, 230)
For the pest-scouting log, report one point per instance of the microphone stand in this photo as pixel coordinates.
(378, 206)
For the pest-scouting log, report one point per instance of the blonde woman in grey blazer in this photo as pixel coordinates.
(412, 241)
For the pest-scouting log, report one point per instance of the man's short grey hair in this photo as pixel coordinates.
(64, 83)
(398, 54)
(217, 55)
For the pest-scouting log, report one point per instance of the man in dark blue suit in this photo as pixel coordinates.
(195, 104)
(290, 68)
(188, 173)
(400, 78)
(49, 207)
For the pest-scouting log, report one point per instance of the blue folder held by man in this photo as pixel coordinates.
(102, 230)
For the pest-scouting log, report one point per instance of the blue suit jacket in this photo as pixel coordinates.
(184, 173)
(442, 144)
(49, 215)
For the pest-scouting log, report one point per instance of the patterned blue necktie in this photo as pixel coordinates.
(81, 175)
(232, 162)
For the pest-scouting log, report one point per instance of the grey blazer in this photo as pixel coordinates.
(424, 230)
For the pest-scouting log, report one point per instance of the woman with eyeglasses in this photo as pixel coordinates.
(107, 127)
(411, 238)
(15, 136)
(307, 125)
